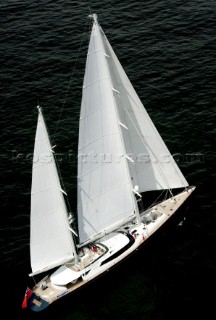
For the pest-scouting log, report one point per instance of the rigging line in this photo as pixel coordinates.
(81, 165)
(156, 200)
(70, 78)
(89, 7)
(100, 97)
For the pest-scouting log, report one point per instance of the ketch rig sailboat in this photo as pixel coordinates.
(121, 157)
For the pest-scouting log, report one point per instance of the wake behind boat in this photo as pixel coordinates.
(121, 157)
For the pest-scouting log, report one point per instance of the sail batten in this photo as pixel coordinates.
(95, 140)
(90, 84)
(50, 240)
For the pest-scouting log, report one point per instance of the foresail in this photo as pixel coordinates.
(105, 196)
(51, 242)
(154, 167)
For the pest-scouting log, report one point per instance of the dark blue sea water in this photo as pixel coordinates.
(168, 49)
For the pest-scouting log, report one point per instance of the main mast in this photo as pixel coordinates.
(121, 126)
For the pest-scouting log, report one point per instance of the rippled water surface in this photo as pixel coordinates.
(168, 51)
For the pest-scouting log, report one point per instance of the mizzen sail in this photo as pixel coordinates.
(51, 242)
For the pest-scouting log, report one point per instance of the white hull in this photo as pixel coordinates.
(131, 237)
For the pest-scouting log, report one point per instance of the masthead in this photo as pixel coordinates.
(93, 17)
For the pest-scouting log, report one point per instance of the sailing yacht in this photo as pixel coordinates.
(121, 156)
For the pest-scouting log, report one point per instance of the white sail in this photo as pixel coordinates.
(105, 196)
(51, 241)
(154, 168)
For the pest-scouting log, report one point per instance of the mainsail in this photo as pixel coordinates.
(119, 146)
(51, 242)
(105, 196)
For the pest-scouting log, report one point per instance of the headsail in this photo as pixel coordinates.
(51, 241)
(105, 196)
(154, 167)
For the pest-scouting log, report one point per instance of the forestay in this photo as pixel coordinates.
(51, 241)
